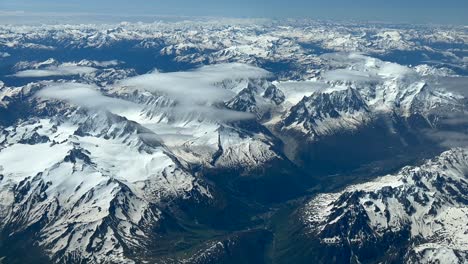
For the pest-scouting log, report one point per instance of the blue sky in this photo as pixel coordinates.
(419, 11)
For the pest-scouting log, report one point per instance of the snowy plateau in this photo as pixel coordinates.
(233, 141)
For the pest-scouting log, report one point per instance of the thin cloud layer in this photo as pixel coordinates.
(4, 55)
(198, 92)
(349, 75)
(356, 67)
(450, 139)
(85, 95)
(454, 84)
(452, 127)
(89, 96)
(198, 86)
(209, 113)
(452, 130)
(61, 70)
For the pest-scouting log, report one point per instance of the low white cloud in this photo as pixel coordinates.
(4, 55)
(85, 95)
(295, 91)
(60, 70)
(349, 75)
(106, 63)
(89, 96)
(392, 70)
(456, 84)
(208, 112)
(357, 67)
(198, 92)
(338, 59)
(450, 139)
(198, 86)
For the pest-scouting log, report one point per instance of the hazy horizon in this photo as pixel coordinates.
(421, 12)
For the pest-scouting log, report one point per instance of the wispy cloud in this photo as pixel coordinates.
(450, 139)
(451, 130)
(85, 95)
(197, 86)
(4, 55)
(453, 84)
(60, 70)
(349, 75)
(208, 112)
(357, 67)
(452, 127)
(197, 94)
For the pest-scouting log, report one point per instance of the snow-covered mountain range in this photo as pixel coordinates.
(181, 142)
(280, 45)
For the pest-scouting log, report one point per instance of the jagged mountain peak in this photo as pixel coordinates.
(398, 207)
(340, 109)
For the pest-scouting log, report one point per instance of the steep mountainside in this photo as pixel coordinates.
(415, 216)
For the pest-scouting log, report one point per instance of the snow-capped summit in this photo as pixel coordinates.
(117, 175)
(323, 113)
(417, 215)
(259, 98)
(360, 90)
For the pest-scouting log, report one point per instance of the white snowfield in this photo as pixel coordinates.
(427, 201)
(93, 189)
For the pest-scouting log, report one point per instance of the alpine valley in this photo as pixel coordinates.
(233, 141)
